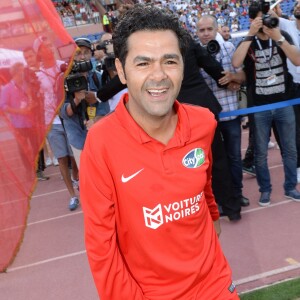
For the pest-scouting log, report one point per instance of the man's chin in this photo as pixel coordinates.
(297, 16)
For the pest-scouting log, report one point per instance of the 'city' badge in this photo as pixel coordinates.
(194, 159)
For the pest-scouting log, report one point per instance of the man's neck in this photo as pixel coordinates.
(161, 129)
(262, 36)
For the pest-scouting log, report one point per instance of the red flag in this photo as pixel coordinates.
(33, 46)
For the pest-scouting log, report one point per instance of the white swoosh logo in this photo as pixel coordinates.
(125, 179)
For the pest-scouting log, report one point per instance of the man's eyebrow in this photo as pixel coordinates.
(171, 56)
(146, 58)
(142, 58)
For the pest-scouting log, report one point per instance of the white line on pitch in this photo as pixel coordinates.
(267, 274)
(35, 196)
(46, 261)
(285, 201)
(276, 166)
(46, 194)
(55, 218)
(42, 221)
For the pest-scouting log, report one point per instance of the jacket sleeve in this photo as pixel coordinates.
(209, 196)
(111, 276)
(210, 65)
(110, 89)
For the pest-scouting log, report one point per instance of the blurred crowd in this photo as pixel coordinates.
(77, 12)
(233, 14)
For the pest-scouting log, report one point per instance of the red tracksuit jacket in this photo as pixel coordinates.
(149, 210)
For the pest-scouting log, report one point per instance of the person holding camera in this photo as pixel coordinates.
(82, 108)
(109, 71)
(194, 90)
(230, 127)
(264, 52)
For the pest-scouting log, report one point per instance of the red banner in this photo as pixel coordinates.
(33, 46)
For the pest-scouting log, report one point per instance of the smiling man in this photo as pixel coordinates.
(151, 221)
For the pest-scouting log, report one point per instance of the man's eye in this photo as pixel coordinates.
(171, 62)
(142, 64)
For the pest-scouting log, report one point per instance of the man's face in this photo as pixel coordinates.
(206, 30)
(297, 10)
(84, 53)
(153, 73)
(30, 58)
(225, 32)
(100, 54)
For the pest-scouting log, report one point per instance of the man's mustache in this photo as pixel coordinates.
(161, 84)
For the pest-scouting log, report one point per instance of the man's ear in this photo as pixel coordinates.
(120, 71)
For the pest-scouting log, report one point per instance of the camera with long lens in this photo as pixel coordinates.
(213, 47)
(106, 46)
(108, 63)
(76, 81)
(269, 21)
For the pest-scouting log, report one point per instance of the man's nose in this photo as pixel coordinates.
(158, 72)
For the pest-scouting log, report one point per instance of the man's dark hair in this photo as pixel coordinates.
(146, 18)
(254, 9)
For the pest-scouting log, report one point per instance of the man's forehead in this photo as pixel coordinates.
(83, 48)
(154, 48)
(206, 22)
(152, 37)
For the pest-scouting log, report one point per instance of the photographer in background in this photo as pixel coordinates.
(195, 91)
(82, 108)
(264, 52)
(230, 127)
(225, 33)
(107, 65)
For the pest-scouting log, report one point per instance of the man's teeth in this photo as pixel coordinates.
(156, 91)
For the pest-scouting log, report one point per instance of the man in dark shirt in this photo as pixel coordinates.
(264, 52)
(194, 90)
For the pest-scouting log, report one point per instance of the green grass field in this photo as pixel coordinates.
(288, 290)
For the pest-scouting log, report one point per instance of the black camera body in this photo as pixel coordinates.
(108, 63)
(82, 66)
(106, 46)
(269, 21)
(76, 81)
(212, 47)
